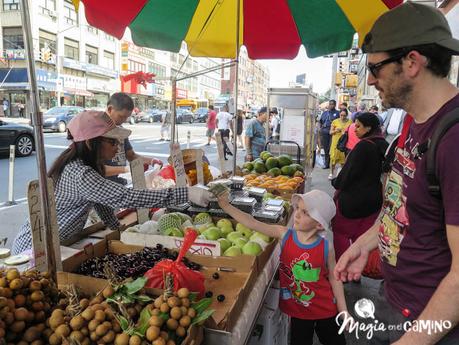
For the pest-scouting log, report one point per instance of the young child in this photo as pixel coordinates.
(309, 294)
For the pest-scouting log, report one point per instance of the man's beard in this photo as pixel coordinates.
(398, 93)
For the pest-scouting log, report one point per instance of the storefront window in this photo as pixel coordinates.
(71, 49)
(12, 38)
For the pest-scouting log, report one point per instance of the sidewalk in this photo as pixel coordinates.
(368, 288)
(20, 120)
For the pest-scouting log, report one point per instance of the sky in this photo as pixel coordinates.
(318, 71)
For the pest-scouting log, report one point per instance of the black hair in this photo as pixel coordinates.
(211, 107)
(332, 101)
(121, 101)
(438, 57)
(375, 107)
(90, 156)
(344, 103)
(370, 120)
(345, 110)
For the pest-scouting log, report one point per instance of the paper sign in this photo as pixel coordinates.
(220, 150)
(199, 247)
(199, 167)
(138, 181)
(38, 229)
(179, 168)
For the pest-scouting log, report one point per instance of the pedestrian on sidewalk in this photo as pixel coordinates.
(119, 108)
(224, 123)
(6, 107)
(211, 124)
(165, 129)
(80, 184)
(308, 293)
(240, 127)
(255, 135)
(325, 121)
(338, 128)
(410, 51)
(358, 186)
(275, 123)
(362, 108)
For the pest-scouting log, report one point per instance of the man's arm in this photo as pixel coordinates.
(131, 155)
(443, 303)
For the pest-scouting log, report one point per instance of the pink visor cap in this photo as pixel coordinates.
(92, 124)
(320, 206)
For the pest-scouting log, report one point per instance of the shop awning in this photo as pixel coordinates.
(16, 78)
(78, 92)
(273, 29)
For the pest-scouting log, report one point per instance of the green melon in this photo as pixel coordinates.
(272, 162)
(297, 167)
(287, 170)
(298, 174)
(284, 160)
(248, 166)
(274, 172)
(259, 167)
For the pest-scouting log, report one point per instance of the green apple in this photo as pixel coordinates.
(176, 232)
(233, 236)
(261, 236)
(225, 229)
(213, 233)
(224, 244)
(224, 222)
(233, 251)
(203, 227)
(240, 242)
(245, 231)
(252, 248)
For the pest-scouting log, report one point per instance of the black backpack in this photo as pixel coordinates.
(429, 148)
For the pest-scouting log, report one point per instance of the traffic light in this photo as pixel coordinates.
(340, 66)
(45, 55)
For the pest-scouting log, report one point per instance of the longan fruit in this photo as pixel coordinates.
(183, 293)
(158, 301)
(8, 318)
(86, 341)
(159, 341)
(34, 285)
(92, 325)
(176, 313)
(109, 337)
(84, 303)
(116, 326)
(63, 330)
(88, 314)
(156, 320)
(58, 313)
(85, 331)
(38, 306)
(16, 284)
(77, 335)
(55, 321)
(17, 326)
(152, 333)
(173, 302)
(55, 339)
(77, 322)
(37, 342)
(122, 339)
(40, 316)
(19, 300)
(172, 324)
(93, 336)
(135, 340)
(99, 316)
(185, 302)
(164, 308)
(185, 321)
(37, 296)
(21, 314)
(170, 342)
(12, 274)
(155, 312)
(101, 330)
(164, 335)
(47, 333)
(180, 331)
(31, 334)
(3, 282)
(108, 291)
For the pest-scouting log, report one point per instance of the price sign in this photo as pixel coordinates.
(199, 167)
(138, 181)
(38, 229)
(177, 163)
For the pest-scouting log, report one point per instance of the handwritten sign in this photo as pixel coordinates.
(199, 167)
(177, 163)
(220, 150)
(138, 181)
(38, 229)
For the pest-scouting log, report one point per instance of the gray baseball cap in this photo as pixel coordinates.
(410, 24)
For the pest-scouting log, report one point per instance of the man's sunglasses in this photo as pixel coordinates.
(111, 141)
(374, 68)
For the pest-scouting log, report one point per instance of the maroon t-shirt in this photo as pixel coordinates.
(212, 120)
(412, 241)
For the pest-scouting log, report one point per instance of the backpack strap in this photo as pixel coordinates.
(446, 122)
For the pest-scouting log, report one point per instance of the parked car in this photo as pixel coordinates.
(151, 115)
(200, 115)
(19, 135)
(184, 115)
(57, 118)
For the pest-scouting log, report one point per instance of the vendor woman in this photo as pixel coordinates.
(79, 182)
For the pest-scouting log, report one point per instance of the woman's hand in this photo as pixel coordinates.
(223, 199)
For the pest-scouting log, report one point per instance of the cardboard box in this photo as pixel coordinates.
(199, 247)
(237, 276)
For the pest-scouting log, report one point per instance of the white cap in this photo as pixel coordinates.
(320, 206)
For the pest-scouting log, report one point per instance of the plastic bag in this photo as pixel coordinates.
(182, 275)
(373, 267)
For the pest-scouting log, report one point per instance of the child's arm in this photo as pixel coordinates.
(337, 286)
(276, 231)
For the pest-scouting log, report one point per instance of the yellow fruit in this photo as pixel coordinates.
(185, 321)
(183, 293)
(172, 324)
(152, 333)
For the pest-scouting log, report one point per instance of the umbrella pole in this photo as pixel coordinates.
(37, 123)
(173, 110)
(236, 88)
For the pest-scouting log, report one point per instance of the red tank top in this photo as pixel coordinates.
(305, 292)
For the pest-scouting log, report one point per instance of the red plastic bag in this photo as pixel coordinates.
(182, 275)
(373, 267)
(167, 172)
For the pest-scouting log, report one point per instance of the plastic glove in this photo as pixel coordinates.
(199, 195)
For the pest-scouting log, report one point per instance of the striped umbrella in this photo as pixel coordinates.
(273, 29)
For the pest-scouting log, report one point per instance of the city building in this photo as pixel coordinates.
(253, 82)
(86, 72)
